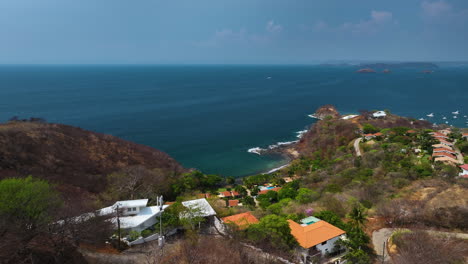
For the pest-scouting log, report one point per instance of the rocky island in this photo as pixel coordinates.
(366, 70)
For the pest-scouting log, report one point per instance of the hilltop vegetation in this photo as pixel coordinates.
(79, 162)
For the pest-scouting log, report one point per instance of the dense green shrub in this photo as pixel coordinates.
(305, 195)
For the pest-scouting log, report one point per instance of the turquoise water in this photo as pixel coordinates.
(207, 117)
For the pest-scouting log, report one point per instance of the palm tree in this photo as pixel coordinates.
(358, 217)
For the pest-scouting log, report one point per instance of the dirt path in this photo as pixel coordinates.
(356, 147)
(382, 235)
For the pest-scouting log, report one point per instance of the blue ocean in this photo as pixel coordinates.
(208, 117)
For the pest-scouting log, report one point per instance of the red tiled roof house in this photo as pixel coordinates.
(242, 221)
(315, 236)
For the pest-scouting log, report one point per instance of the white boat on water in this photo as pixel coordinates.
(446, 122)
(421, 119)
(431, 115)
(456, 112)
(454, 116)
(444, 117)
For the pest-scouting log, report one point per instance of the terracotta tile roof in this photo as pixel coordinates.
(446, 159)
(464, 166)
(443, 149)
(310, 235)
(169, 203)
(274, 189)
(437, 134)
(465, 134)
(241, 220)
(464, 176)
(411, 131)
(233, 202)
(441, 146)
(443, 154)
(203, 195)
(444, 141)
(378, 134)
(226, 193)
(234, 193)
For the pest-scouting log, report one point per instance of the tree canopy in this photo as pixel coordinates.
(27, 202)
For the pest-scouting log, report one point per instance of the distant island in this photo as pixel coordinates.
(401, 65)
(366, 70)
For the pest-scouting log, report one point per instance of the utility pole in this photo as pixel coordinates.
(118, 226)
(383, 253)
(160, 202)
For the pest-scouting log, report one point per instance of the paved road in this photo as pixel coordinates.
(382, 235)
(356, 146)
(378, 238)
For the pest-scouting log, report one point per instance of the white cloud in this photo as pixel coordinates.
(228, 36)
(377, 20)
(436, 9)
(381, 16)
(273, 28)
(320, 26)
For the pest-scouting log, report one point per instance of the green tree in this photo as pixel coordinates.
(332, 218)
(27, 202)
(305, 195)
(277, 208)
(248, 201)
(287, 192)
(357, 216)
(230, 180)
(254, 191)
(241, 190)
(274, 230)
(267, 199)
(368, 128)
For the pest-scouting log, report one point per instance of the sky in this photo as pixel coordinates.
(231, 31)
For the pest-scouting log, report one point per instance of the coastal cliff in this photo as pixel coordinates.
(333, 130)
(326, 110)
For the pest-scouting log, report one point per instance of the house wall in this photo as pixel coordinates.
(132, 212)
(328, 247)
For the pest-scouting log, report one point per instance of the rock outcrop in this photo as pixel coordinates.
(326, 110)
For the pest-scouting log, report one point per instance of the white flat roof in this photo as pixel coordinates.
(202, 207)
(133, 221)
(379, 114)
(132, 203)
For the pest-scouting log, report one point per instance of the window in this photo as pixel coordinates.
(323, 243)
(134, 208)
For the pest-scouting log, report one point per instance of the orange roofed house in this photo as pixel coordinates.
(241, 220)
(315, 236)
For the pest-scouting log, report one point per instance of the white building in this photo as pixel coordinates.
(379, 114)
(135, 215)
(464, 172)
(315, 237)
(199, 208)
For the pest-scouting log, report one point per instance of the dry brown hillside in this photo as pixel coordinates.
(75, 159)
